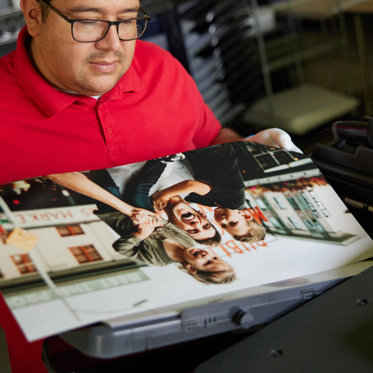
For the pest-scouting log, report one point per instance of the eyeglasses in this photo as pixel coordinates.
(93, 30)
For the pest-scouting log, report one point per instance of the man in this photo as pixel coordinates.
(65, 99)
(240, 226)
(73, 100)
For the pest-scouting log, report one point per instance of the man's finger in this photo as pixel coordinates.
(284, 141)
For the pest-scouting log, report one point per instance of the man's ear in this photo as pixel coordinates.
(32, 13)
(191, 269)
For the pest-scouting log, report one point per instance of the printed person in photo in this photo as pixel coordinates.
(193, 222)
(215, 180)
(159, 242)
(144, 235)
(239, 225)
(215, 170)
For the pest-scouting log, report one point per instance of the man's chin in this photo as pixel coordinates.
(98, 84)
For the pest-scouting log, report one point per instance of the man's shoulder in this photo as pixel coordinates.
(7, 67)
(146, 47)
(151, 56)
(10, 86)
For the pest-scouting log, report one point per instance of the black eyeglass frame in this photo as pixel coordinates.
(145, 18)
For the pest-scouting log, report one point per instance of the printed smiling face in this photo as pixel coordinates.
(204, 260)
(233, 221)
(91, 68)
(238, 225)
(193, 222)
(207, 267)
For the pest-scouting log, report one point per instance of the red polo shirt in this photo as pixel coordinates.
(154, 110)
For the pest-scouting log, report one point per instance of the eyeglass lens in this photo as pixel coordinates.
(96, 30)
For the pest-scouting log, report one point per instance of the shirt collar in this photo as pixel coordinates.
(129, 83)
(51, 100)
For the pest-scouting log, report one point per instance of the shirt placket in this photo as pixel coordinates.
(109, 130)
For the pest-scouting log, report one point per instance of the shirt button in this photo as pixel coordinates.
(109, 131)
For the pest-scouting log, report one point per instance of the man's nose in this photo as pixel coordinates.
(111, 40)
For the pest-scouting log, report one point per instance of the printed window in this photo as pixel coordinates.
(85, 254)
(294, 223)
(23, 263)
(280, 203)
(310, 205)
(261, 204)
(293, 203)
(275, 222)
(69, 230)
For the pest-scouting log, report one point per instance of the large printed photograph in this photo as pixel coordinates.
(83, 247)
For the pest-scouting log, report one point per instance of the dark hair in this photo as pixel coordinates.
(212, 241)
(256, 232)
(208, 277)
(44, 10)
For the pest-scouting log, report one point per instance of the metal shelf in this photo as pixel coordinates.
(285, 51)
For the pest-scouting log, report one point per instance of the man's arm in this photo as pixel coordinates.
(226, 135)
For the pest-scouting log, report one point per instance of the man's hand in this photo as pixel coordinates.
(275, 137)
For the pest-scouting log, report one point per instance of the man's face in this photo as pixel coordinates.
(192, 222)
(233, 221)
(86, 68)
(204, 260)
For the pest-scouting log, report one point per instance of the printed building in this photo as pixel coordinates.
(70, 238)
(297, 205)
